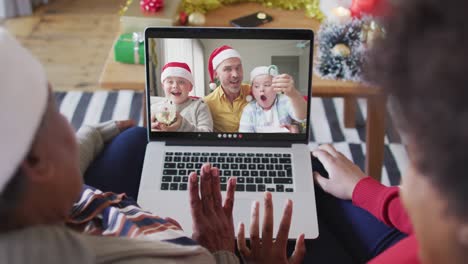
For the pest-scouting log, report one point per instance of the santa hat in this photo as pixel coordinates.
(23, 100)
(217, 56)
(177, 69)
(261, 70)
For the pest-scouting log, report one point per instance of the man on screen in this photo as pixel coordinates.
(228, 99)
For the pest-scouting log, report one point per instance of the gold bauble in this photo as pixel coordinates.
(341, 50)
(196, 19)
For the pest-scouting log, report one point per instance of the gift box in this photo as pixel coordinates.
(133, 19)
(130, 48)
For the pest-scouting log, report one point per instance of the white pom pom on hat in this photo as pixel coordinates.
(219, 55)
(177, 69)
(23, 100)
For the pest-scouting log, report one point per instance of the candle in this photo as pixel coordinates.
(340, 15)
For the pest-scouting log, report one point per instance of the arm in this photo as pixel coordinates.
(203, 118)
(91, 141)
(346, 181)
(382, 202)
(284, 83)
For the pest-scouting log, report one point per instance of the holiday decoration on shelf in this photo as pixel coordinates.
(129, 48)
(151, 6)
(340, 51)
(196, 19)
(311, 7)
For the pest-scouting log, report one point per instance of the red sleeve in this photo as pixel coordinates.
(383, 202)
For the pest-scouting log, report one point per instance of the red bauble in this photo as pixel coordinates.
(151, 5)
(183, 17)
(369, 7)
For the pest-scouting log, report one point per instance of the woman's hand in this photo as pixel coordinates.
(213, 226)
(343, 174)
(267, 250)
(123, 125)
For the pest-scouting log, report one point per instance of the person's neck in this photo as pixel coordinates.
(231, 96)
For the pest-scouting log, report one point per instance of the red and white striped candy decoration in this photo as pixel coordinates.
(151, 5)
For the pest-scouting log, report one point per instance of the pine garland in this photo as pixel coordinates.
(328, 64)
(310, 6)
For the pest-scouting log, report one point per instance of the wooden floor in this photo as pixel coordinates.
(71, 38)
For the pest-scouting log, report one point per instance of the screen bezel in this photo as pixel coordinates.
(212, 138)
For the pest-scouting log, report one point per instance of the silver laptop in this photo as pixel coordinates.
(270, 159)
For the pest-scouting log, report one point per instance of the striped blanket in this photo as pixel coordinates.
(327, 124)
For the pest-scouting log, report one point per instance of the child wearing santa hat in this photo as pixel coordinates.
(178, 111)
(277, 103)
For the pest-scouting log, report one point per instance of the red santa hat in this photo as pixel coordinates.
(177, 69)
(217, 56)
(23, 100)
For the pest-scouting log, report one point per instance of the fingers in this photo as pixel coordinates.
(324, 157)
(267, 225)
(243, 249)
(229, 201)
(321, 181)
(254, 227)
(195, 201)
(206, 192)
(299, 251)
(330, 149)
(174, 222)
(283, 231)
(216, 187)
(125, 124)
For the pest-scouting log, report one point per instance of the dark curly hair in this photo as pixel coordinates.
(422, 65)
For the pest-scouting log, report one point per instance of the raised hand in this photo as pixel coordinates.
(266, 249)
(213, 225)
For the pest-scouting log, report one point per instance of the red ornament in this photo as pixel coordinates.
(151, 5)
(369, 7)
(183, 17)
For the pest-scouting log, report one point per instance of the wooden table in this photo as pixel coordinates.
(127, 76)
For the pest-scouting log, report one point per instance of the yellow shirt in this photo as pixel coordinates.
(226, 116)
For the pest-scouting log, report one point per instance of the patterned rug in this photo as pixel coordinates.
(327, 124)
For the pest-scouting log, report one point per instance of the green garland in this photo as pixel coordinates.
(311, 7)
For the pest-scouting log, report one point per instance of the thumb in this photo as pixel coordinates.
(321, 181)
(299, 251)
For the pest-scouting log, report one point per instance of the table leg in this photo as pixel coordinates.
(349, 109)
(375, 128)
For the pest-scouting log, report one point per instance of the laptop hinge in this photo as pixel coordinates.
(264, 144)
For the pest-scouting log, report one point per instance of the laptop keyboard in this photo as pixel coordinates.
(255, 172)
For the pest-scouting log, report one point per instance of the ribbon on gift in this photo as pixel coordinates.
(137, 38)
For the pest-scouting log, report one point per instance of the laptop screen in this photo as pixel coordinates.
(228, 84)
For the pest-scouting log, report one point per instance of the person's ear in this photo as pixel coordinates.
(191, 87)
(37, 167)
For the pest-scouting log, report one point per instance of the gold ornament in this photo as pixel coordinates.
(196, 19)
(341, 50)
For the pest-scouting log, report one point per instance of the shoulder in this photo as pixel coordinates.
(51, 244)
(212, 95)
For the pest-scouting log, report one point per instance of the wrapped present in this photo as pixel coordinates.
(130, 48)
(134, 19)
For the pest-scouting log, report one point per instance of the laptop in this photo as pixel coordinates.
(268, 159)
